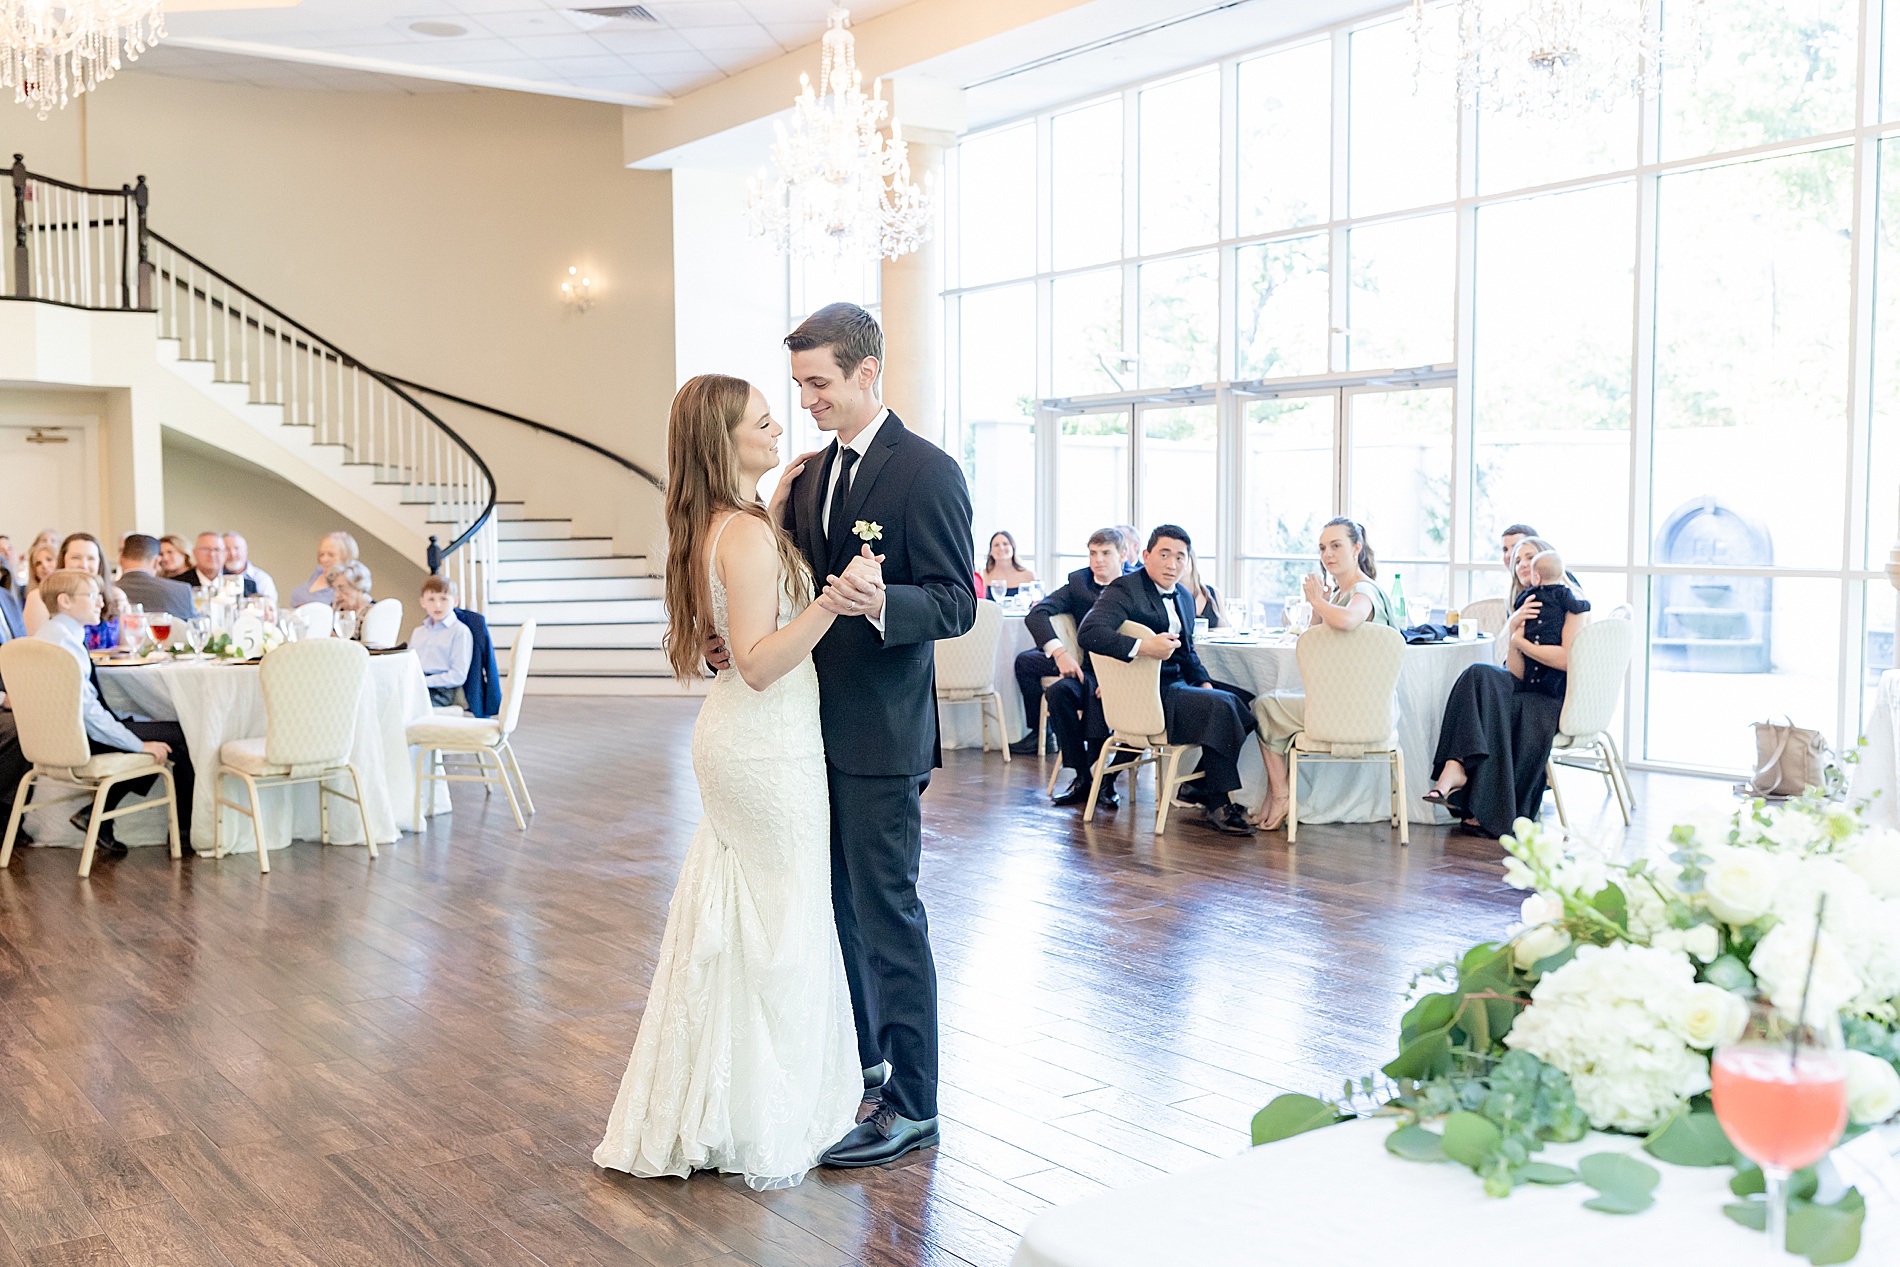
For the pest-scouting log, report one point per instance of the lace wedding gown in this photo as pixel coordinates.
(747, 1059)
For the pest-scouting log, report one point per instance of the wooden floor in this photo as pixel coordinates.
(409, 1062)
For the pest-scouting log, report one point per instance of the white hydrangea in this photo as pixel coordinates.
(1614, 1020)
(1862, 927)
(1780, 965)
(1874, 856)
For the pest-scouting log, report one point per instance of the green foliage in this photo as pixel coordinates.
(1691, 1139)
(1624, 1184)
(1822, 1234)
(1290, 1115)
(1415, 1143)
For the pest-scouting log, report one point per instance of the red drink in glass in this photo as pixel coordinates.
(161, 626)
(1782, 1114)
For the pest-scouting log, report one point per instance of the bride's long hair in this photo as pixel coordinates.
(703, 481)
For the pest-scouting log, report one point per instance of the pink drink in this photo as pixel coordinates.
(1783, 1115)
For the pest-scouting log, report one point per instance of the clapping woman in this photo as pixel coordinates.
(81, 551)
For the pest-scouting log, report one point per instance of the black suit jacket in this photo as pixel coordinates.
(191, 580)
(11, 616)
(1134, 597)
(878, 695)
(156, 593)
(1073, 600)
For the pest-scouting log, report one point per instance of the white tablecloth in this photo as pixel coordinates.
(1349, 792)
(1877, 776)
(215, 703)
(1335, 1198)
(962, 723)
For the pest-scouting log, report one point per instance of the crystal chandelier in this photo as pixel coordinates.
(842, 190)
(1554, 59)
(53, 50)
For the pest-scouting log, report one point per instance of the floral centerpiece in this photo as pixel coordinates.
(1602, 1006)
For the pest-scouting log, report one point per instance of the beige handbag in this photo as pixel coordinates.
(1788, 761)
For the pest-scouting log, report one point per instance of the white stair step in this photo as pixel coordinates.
(570, 569)
(535, 529)
(555, 548)
(579, 611)
(566, 588)
(510, 510)
(598, 660)
(646, 634)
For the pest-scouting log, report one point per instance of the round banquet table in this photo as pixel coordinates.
(1877, 774)
(214, 703)
(1342, 791)
(961, 723)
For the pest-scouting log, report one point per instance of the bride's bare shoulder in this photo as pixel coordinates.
(742, 540)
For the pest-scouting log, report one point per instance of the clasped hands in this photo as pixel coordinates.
(858, 590)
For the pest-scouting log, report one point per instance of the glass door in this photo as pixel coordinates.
(1289, 485)
(1093, 481)
(1398, 485)
(1177, 456)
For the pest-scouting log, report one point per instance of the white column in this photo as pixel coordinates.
(911, 307)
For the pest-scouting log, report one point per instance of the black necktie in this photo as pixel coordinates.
(847, 459)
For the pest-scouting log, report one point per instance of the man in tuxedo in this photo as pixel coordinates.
(208, 556)
(13, 764)
(1069, 696)
(1197, 710)
(140, 582)
(883, 517)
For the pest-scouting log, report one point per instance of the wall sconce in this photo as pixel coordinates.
(577, 291)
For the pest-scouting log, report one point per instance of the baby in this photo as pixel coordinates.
(1555, 600)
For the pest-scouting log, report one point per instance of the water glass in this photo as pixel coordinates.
(346, 625)
(197, 634)
(997, 591)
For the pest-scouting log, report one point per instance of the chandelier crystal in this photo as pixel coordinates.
(842, 191)
(1554, 59)
(53, 50)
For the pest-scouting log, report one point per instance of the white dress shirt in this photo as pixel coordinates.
(63, 631)
(444, 649)
(266, 588)
(860, 446)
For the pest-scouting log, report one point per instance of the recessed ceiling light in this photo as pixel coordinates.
(441, 30)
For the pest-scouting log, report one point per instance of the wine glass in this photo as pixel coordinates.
(1780, 1093)
(160, 624)
(197, 634)
(346, 625)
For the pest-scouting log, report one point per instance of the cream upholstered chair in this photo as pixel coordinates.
(1065, 630)
(1351, 709)
(45, 688)
(1599, 664)
(315, 620)
(311, 693)
(483, 738)
(966, 670)
(1486, 615)
(382, 623)
(1138, 726)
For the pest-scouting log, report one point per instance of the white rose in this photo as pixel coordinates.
(1711, 1016)
(1875, 857)
(1780, 965)
(1539, 943)
(1702, 941)
(1873, 1088)
(1740, 885)
(1541, 908)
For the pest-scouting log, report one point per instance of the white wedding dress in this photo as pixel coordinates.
(747, 1058)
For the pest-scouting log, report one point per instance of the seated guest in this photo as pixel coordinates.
(75, 600)
(12, 625)
(139, 582)
(1001, 567)
(1516, 533)
(1197, 710)
(349, 587)
(334, 549)
(237, 562)
(81, 551)
(1347, 599)
(41, 562)
(10, 569)
(208, 564)
(1556, 601)
(1131, 547)
(1068, 697)
(1207, 605)
(174, 557)
(442, 643)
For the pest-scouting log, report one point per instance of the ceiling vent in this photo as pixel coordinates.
(619, 17)
(441, 30)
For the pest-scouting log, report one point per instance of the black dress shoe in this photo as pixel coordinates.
(108, 842)
(1026, 747)
(881, 1138)
(1076, 793)
(1228, 819)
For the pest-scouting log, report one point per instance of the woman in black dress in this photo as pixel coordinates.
(1495, 742)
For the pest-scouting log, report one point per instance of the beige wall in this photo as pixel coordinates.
(426, 234)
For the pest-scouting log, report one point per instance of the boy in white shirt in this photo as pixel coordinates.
(443, 644)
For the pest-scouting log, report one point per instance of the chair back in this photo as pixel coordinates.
(967, 664)
(1622, 611)
(1066, 630)
(1131, 690)
(315, 620)
(1599, 663)
(1486, 615)
(517, 684)
(382, 624)
(46, 688)
(1351, 682)
(311, 694)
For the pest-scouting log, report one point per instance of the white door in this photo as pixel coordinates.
(48, 482)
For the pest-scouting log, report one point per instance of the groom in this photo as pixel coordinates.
(884, 517)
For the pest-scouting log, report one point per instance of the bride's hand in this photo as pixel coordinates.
(776, 507)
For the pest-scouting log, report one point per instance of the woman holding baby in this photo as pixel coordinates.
(1499, 722)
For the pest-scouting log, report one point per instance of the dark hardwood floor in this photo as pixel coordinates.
(410, 1061)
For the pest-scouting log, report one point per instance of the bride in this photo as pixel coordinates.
(746, 1059)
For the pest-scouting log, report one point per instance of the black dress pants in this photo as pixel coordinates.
(1215, 718)
(1031, 668)
(876, 845)
(1068, 718)
(183, 778)
(13, 764)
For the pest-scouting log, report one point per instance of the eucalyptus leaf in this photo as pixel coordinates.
(1826, 1234)
(1620, 1180)
(1415, 1143)
(1692, 1139)
(1470, 1138)
(1730, 973)
(1546, 1173)
(1289, 1115)
(1612, 904)
(1424, 1057)
(1620, 1202)
(1550, 963)
(1750, 1214)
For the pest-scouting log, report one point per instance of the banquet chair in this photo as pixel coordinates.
(1065, 630)
(1138, 729)
(315, 620)
(45, 688)
(966, 670)
(311, 693)
(1486, 615)
(1599, 664)
(483, 738)
(382, 624)
(1351, 709)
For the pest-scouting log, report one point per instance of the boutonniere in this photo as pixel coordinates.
(868, 530)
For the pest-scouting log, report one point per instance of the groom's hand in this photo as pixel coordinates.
(861, 586)
(718, 655)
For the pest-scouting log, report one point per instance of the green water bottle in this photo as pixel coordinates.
(1398, 601)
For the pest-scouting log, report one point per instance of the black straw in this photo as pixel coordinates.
(1814, 951)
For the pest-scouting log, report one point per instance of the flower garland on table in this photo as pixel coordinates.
(1602, 1007)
